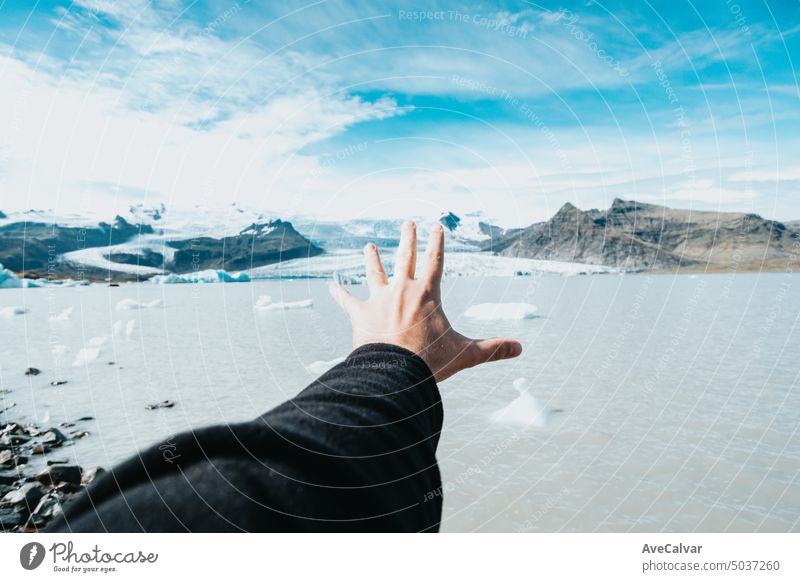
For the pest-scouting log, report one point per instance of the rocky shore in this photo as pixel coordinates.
(29, 498)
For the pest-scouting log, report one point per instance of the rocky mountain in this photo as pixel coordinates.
(34, 248)
(638, 236)
(255, 246)
(36, 245)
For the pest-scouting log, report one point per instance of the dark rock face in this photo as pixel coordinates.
(636, 236)
(146, 258)
(36, 247)
(257, 245)
(450, 221)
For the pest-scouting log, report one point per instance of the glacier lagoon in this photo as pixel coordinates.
(661, 402)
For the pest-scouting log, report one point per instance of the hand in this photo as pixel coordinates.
(408, 312)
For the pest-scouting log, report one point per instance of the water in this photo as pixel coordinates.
(674, 400)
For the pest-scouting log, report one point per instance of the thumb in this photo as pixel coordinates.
(346, 301)
(492, 350)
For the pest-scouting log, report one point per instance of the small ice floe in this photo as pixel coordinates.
(90, 352)
(63, 316)
(320, 367)
(525, 409)
(129, 304)
(209, 276)
(9, 312)
(265, 303)
(494, 311)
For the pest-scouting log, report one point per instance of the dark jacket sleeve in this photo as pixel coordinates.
(354, 451)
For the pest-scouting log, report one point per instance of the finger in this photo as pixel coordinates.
(495, 349)
(434, 257)
(406, 262)
(376, 276)
(347, 302)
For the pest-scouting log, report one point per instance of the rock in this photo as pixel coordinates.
(55, 474)
(54, 437)
(14, 440)
(32, 430)
(157, 405)
(5, 489)
(8, 478)
(67, 424)
(39, 449)
(54, 462)
(33, 372)
(20, 460)
(85, 418)
(6, 457)
(47, 509)
(10, 518)
(5, 391)
(68, 488)
(91, 475)
(12, 428)
(28, 495)
(79, 434)
(58, 382)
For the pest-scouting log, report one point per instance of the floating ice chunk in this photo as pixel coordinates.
(490, 311)
(265, 303)
(63, 316)
(209, 276)
(319, 367)
(9, 280)
(129, 304)
(9, 312)
(91, 351)
(525, 409)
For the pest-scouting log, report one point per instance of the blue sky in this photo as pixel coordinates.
(345, 109)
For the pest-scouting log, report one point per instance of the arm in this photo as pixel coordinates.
(353, 451)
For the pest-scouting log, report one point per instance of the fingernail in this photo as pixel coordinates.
(515, 349)
(438, 227)
(369, 247)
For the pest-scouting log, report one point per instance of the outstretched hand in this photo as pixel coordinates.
(408, 312)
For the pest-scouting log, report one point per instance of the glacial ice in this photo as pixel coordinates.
(129, 304)
(208, 276)
(321, 366)
(494, 311)
(9, 280)
(525, 409)
(265, 303)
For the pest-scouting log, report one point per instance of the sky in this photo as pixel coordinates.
(348, 110)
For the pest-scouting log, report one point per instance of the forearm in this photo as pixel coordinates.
(355, 450)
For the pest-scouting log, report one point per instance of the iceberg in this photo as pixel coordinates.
(208, 276)
(90, 352)
(9, 280)
(320, 367)
(494, 311)
(525, 409)
(129, 304)
(265, 303)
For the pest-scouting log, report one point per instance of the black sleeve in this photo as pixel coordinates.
(354, 451)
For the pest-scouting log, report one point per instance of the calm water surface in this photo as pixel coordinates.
(676, 399)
